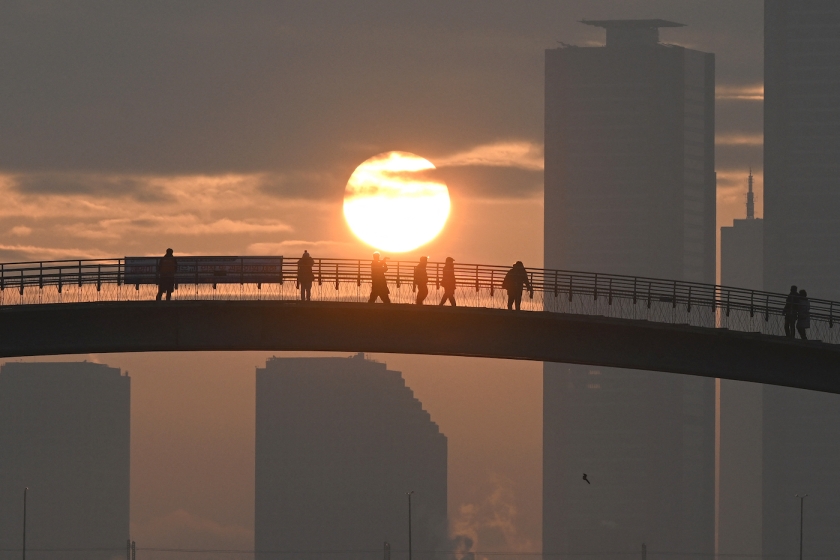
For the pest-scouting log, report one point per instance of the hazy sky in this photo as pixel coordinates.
(232, 128)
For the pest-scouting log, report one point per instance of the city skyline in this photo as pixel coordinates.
(216, 130)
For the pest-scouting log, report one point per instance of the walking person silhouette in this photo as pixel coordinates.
(378, 282)
(448, 282)
(790, 310)
(305, 276)
(515, 280)
(421, 281)
(803, 315)
(167, 267)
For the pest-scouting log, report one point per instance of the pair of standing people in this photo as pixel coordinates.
(448, 282)
(514, 282)
(797, 313)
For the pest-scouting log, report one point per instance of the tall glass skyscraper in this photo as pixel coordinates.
(629, 189)
(802, 146)
(801, 444)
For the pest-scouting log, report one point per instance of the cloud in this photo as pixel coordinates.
(302, 185)
(293, 246)
(739, 139)
(492, 182)
(517, 154)
(72, 183)
(752, 92)
(11, 253)
(20, 231)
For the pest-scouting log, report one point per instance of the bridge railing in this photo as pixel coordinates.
(273, 277)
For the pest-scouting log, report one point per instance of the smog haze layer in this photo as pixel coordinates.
(232, 128)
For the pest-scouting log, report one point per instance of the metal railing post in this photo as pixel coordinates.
(674, 297)
(476, 278)
(492, 283)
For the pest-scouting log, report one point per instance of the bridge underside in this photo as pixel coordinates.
(39, 330)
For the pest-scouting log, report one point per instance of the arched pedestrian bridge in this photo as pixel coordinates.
(250, 303)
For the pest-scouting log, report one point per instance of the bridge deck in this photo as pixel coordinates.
(105, 327)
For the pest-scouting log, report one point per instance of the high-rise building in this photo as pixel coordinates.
(801, 443)
(340, 443)
(629, 189)
(802, 146)
(739, 492)
(64, 434)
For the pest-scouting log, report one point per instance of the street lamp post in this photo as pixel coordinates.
(409, 523)
(24, 522)
(801, 515)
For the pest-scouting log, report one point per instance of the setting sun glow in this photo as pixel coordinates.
(393, 204)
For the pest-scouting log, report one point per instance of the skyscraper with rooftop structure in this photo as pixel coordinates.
(629, 189)
(340, 443)
(740, 467)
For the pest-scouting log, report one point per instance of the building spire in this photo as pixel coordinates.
(750, 197)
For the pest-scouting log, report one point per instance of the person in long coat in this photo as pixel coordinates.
(448, 282)
(167, 267)
(305, 276)
(515, 280)
(379, 284)
(790, 310)
(421, 281)
(803, 315)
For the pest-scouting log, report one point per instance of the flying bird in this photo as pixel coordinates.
(586, 479)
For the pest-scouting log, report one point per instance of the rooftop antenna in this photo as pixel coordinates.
(750, 197)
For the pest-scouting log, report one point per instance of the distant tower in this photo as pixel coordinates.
(739, 489)
(339, 442)
(742, 248)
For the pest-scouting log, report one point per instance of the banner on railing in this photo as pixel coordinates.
(208, 270)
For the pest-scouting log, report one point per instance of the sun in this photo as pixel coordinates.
(393, 204)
